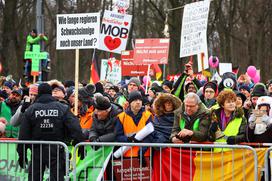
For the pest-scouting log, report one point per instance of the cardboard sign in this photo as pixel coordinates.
(194, 28)
(78, 31)
(127, 169)
(35, 55)
(114, 31)
(129, 68)
(151, 51)
(111, 72)
(225, 67)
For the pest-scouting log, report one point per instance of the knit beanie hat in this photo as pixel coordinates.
(211, 85)
(33, 89)
(115, 88)
(168, 84)
(102, 103)
(69, 83)
(245, 87)
(18, 91)
(187, 85)
(8, 84)
(259, 90)
(156, 89)
(44, 88)
(70, 91)
(241, 95)
(135, 80)
(99, 87)
(134, 95)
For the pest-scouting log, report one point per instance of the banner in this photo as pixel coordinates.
(111, 70)
(202, 165)
(151, 51)
(129, 68)
(194, 29)
(78, 31)
(114, 31)
(93, 165)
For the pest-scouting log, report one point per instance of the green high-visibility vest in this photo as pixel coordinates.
(232, 129)
(195, 126)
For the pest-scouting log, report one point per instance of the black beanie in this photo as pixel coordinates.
(187, 86)
(44, 88)
(168, 84)
(134, 95)
(241, 95)
(102, 103)
(211, 85)
(259, 90)
(99, 87)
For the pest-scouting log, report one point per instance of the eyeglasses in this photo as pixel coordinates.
(190, 106)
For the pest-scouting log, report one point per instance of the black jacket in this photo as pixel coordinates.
(49, 120)
(103, 130)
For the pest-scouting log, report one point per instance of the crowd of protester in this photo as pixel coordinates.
(232, 111)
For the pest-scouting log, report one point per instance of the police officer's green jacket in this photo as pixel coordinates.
(199, 123)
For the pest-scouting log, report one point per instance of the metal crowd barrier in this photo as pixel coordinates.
(53, 154)
(195, 162)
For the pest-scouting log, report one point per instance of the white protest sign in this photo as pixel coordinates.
(225, 67)
(78, 31)
(121, 5)
(111, 72)
(205, 61)
(194, 28)
(114, 31)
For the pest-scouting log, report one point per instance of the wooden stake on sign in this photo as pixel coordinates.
(76, 82)
(202, 62)
(34, 79)
(147, 79)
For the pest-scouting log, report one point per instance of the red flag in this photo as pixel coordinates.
(94, 70)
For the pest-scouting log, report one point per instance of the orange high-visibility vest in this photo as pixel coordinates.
(130, 129)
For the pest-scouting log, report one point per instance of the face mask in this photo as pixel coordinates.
(260, 128)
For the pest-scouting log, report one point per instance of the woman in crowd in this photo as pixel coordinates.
(164, 106)
(228, 122)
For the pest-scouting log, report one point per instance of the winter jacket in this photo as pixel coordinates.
(103, 130)
(200, 118)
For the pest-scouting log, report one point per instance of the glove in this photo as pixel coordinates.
(132, 139)
(81, 152)
(231, 140)
(214, 127)
(186, 139)
(25, 105)
(22, 161)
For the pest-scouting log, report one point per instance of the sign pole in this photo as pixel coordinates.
(76, 81)
(34, 79)
(147, 79)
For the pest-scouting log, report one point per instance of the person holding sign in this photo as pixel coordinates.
(133, 121)
(32, 39)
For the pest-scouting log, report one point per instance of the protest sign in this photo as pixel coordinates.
(121, 5)
(111, 70)
(78, 31)
(151, 51)
(129, 68)
(225, 67)
(194, 28)
(202, 61)
(114, 31)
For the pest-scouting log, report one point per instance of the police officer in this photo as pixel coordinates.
(47, 120)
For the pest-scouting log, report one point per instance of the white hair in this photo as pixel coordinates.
(192, 95)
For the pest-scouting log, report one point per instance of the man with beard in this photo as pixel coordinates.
(8, 109)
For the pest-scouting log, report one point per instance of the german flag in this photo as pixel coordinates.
(94, 70)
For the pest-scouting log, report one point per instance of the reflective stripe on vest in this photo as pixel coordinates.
(232, 129)
(195, 126)
(130, 129)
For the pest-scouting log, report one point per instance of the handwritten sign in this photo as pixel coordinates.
(194, 28)
(111, 72)
(78, 31)
(114, 31)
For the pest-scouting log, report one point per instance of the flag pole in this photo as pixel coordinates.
(76, 81)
